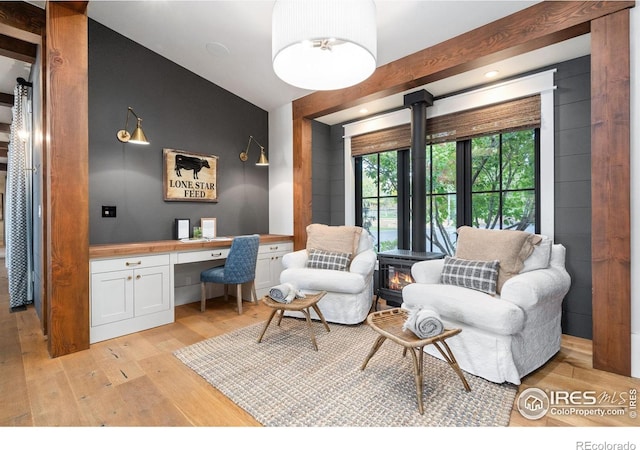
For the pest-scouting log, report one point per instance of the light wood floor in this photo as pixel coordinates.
(136, 381)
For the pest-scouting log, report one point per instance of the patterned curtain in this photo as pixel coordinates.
(18, 179)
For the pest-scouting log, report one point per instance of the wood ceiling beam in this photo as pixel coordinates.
(23, 16)
(5, 128)
(3, 167)
(6, 99)
(535, 27)
(18, 49)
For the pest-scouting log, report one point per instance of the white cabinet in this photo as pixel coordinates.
(129, 295)
(269, 265)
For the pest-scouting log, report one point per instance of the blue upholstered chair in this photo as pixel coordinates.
(239, 268)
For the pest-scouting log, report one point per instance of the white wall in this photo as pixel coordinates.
(281, 170)
(635, 192)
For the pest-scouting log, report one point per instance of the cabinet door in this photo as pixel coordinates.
(111, 297)
(151, 290)
(263, 279)
(275, 267)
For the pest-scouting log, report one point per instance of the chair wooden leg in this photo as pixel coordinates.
(203, 296)
(239, 297)
(254, 294)
(226, 292)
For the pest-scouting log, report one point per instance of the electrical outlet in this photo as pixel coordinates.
(108, 211)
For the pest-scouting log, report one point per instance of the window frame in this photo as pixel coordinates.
(541, 83)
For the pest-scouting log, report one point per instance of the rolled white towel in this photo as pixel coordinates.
(285, 293)
(424, 323)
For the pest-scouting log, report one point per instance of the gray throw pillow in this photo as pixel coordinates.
(321, 259)
(479, 275)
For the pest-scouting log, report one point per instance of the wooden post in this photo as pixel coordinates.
(302, 172)
(67, 176)
(611, 192)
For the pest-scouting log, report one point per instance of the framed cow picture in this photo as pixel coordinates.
(190, 177)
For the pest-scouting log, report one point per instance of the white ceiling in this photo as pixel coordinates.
(229, 43)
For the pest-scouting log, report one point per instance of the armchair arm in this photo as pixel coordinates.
(530, 288)
(296, 259)
(364, 263)
(427, 271)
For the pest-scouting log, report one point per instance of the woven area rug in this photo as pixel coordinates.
(284, 382)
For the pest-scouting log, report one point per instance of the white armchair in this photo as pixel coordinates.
(349, 293)
(504, 337)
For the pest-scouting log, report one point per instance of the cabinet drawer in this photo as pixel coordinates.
(132, 262)
(202, 255)
(276, 247)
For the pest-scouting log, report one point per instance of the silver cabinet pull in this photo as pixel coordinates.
(129, 277)
(217, 254)
(273, 248)
(133, 263)
(138, 277)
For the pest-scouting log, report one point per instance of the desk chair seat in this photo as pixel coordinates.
(239, 268)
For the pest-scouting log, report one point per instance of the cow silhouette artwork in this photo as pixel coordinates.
(190, 163)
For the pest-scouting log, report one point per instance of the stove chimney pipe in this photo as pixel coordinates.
(418, 102)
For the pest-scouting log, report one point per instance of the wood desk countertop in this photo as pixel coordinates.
(140, 248)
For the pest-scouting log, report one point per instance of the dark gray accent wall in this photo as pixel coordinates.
(321, 169)
(573, 189)
(328, 174)
(337, 176)
(180, 110)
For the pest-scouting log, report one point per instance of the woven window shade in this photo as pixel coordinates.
(395, 138)
(513, 115)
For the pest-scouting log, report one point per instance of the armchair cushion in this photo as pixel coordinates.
(510, 247)
(471, 307)
(539, 258)
(333, 238)
(323, 280)
(320, 259)
(479, 275)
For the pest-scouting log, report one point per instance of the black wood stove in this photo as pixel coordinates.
(394, 272)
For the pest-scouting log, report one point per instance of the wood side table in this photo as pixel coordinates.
(388, 323)
(300, 304)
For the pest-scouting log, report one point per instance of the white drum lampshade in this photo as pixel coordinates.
(324, 44)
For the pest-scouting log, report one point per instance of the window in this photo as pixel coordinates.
(486, 182)
(442, 193)
(377, 181)
(485, 166)
(503, 181)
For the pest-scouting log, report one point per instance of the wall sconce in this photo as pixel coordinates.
(138, 136)
(262, 160)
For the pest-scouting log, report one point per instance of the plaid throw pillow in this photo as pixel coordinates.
(321, 259)
(479, 275)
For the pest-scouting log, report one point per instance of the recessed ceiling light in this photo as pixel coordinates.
(491, 73)
(217, 49)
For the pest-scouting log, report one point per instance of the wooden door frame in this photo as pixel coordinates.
(538, 26)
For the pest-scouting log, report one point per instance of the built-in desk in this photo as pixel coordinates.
(132, 285)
